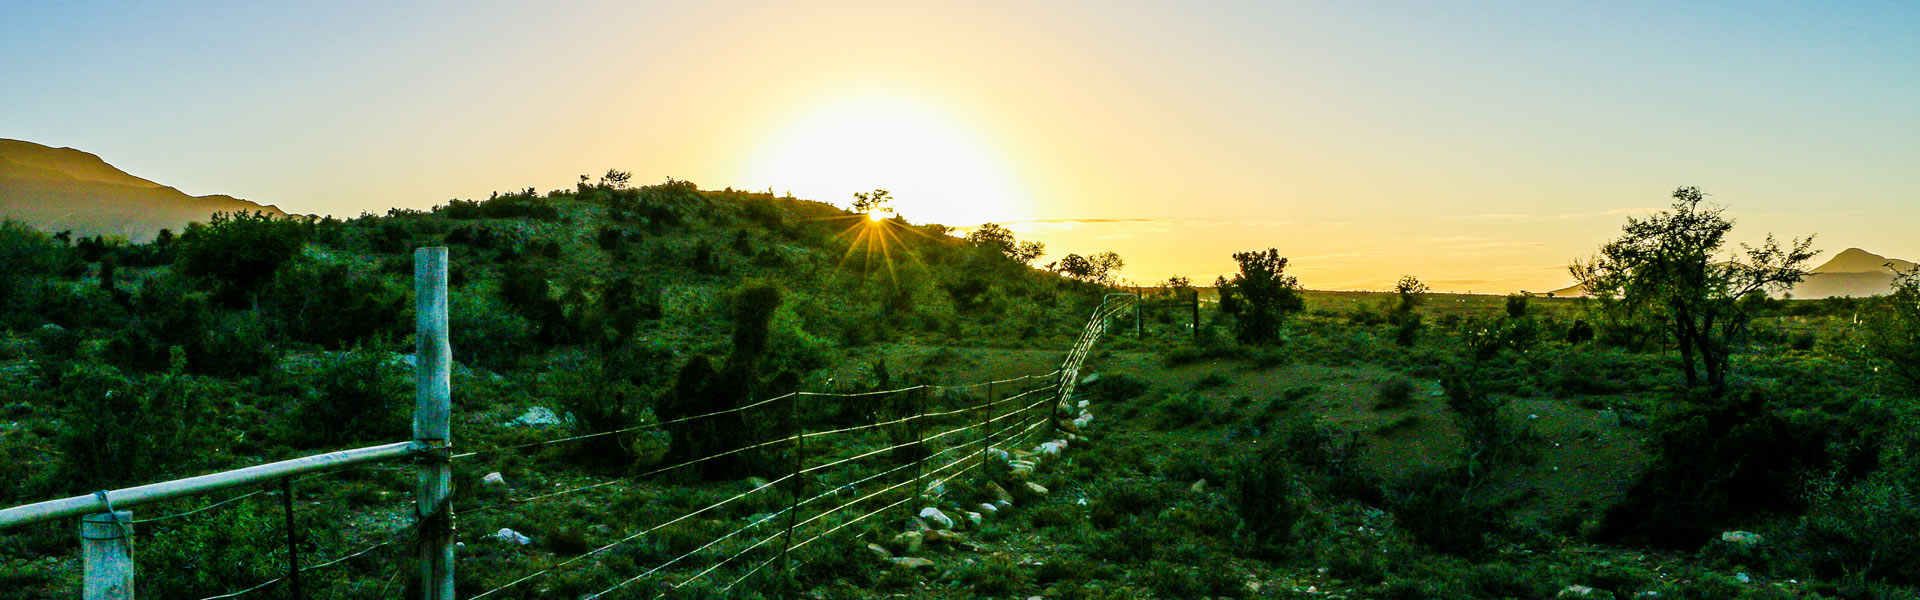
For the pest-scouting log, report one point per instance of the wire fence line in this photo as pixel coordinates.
(993, 427)
(1010, 428)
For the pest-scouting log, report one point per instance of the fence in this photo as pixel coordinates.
(835, 464)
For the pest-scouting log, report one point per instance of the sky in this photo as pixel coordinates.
(1480, 146)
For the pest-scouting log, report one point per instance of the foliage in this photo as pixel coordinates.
(1102, 268)
(1409, 294)
(1271, 500)
(236, 254)
(1668, 263)
(362, 397)
(1394, 394)
(1893, 327)
(330, 305)
(1000, 239)
(1718, 461)
(1260, 296)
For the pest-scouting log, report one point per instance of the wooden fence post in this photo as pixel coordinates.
(433, 365)
(106, 549)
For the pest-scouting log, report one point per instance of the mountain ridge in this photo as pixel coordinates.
(58, 189)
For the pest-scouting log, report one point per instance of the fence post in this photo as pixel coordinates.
(293, 550)
(106, 548)
(1196, 313)
(433, 364)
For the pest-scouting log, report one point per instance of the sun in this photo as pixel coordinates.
(939, 169)
(875, 215)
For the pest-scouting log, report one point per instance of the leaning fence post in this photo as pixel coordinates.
(106, 549)
(433, 364)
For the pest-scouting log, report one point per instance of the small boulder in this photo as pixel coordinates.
(1198, 487)
(493, 481)
(908, 542)
(944, 536)
(538, 416)
(988, 508)
(1037, 488)
(879, 551)
(975, 518)
(512, 537)
(1004, 504)
(912, 562)
(935, 517)
(999, 493)
(1744, 539)
(1576, 591)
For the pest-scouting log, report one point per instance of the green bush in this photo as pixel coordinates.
(1271, 499)
(361, 397)
(1394, 394)
(236, 254)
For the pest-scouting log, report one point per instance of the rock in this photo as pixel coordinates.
(1198, 487)
(975, 518)
(934, 516)
(1082, 422)
(1744, 539)
(1575, 591)
(944, 536)
(988, 508)
(1003, 504)
(1082, 404)
(538, 416)
(880, 551)
(1037, 488)
(754, 483)
(512, 537)
(999, 493)
(1053, 448)
(917, 524)
(908, 542)
(1090, 379)
(936, 488)
(912, 562)
(1742, 578)
(493, 481)
(999, 455)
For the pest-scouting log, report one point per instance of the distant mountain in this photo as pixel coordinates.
(58, 189)
(1853, 272)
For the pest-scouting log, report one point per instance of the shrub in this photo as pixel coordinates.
(1271, 499)
(236, 254)
(1113, 389)
(1184, 409)
(1212, 380)
(363, 397)
(1396, 393)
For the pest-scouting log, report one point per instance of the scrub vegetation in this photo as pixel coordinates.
(1682, 434)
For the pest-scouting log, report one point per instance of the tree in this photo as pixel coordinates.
(1000, 239)
(238, 253)
(1666, 265)
(1099, 268)
(877, 201)
(1411, 293)
(1106, 267)
(1894, 329)
(1260, 296)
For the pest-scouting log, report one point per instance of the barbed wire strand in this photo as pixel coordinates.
(692, 552)
(403, 532)
(673, 421)
(637, 536)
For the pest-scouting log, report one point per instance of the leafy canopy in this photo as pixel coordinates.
(1664, 268)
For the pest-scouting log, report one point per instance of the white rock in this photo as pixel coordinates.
(975, 518)
(1037, 488)
(1090, 378)
(537, 416)
(1575, 591)
(1083, 404)
(512, 537)
(493, 480)
(937, 517)
(988, 508)
(1741, 538)
(1742, 578)
(1050, 448)
(1003, 504)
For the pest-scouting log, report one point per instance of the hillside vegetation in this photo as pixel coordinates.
(1294, 444)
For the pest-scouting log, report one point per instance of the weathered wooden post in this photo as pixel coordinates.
(106, 549)
(433, 364)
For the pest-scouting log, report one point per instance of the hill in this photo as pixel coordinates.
(58, 189)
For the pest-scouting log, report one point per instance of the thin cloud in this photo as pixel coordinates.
(1559, 217)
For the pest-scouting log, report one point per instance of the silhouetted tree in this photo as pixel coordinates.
(1668, 263)
(235, 254)
(1260, 296)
